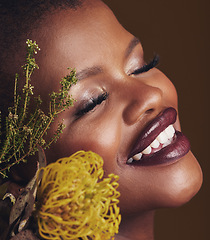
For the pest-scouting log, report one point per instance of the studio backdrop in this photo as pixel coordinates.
(179, 32)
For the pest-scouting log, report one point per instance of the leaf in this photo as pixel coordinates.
(19, 206)
(25, 235)
(5, 208)
(24, 205)
(23, 200)
(42, 161)
(42, 157)
(3, 189)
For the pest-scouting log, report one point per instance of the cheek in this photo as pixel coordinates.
(101, 136)
(170, 97)
(159, 186)
(169, 92)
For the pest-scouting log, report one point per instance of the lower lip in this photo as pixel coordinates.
(169, 154)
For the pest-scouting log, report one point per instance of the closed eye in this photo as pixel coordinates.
(92, 104)
(147, 67)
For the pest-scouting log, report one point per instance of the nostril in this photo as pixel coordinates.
(145, 101)
(150, 111)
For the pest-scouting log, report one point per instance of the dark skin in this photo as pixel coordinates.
(92, 39)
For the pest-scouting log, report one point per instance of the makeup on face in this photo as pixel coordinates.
(92, 102)
(125, 109)
(159, 142)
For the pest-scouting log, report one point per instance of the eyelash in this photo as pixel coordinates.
(102, 97)
(147, 67)
(91, 105)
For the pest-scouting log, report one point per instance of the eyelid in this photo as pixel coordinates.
(91, 104)
(147, 67)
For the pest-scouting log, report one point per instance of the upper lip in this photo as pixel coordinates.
(153, 129)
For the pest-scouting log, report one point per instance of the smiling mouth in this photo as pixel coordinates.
(159, 142)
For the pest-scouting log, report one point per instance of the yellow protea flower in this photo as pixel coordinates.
(74, 202)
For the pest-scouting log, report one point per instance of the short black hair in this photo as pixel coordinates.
(17, 18)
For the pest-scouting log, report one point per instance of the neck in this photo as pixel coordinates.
(137, 227)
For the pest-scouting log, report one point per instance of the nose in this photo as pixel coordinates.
(141, 99)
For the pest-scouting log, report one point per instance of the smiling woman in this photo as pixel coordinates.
(125, 110)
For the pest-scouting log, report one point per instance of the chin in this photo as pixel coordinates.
(184, 184)
(166, 186)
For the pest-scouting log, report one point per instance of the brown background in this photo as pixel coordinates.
(179, 32)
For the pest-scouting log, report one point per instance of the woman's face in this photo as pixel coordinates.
(114, 105)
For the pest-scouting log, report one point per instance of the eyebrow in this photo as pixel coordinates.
(88, 72)
(95, 70)
(135, 41)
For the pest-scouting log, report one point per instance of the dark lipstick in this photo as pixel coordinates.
(175, 150)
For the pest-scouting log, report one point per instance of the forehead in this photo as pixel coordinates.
(80, 38)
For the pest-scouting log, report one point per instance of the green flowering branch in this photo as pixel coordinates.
(23, 131)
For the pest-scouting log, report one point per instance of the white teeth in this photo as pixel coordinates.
(137, 156)
(170, 131)
(130, 160)
(162, 137)
(155, 144)
(167, 143)
(147, 150)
